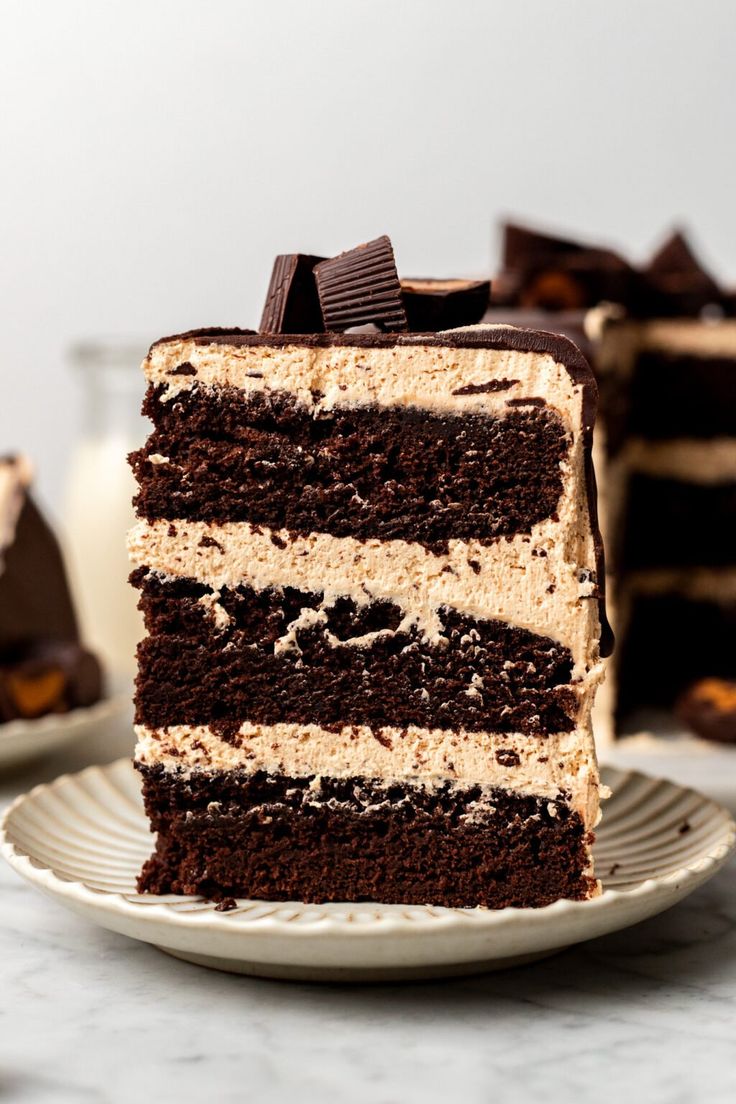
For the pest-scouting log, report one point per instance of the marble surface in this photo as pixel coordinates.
(648, 1014)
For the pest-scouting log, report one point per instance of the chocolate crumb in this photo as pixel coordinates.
(475, 566)
(228, 731)
(684, 827)
(172, 530)
(227, 904)
(507, 758)
(277, 540)
(185, 369)
(210, 542)
(526, 402)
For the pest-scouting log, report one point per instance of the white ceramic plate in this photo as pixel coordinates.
(23, 741)
(83, 839)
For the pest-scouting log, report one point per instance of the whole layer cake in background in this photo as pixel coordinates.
(662, 340)
(43, 666)
(371, 577)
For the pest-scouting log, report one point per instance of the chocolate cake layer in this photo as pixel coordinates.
(281, 656)
(393, 473)
(679, 395)
(260, 836)
(671, 641)
(670, 522)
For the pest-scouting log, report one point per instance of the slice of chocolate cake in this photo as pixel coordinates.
(43, 667)
(663, 345)
(371, 576)
(670, 385)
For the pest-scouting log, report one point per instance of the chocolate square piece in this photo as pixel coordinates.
(361, 287)
(433, 305)
(675, 282)
(292, 304)
(555, 274)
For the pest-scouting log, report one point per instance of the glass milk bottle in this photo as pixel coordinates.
(97, 508)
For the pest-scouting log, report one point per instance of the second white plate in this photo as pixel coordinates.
(24, 741)
(83, 838)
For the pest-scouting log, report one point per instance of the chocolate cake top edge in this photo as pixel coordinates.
(501, 337)
(478, 336)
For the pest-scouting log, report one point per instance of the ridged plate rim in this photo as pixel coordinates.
(104, 803)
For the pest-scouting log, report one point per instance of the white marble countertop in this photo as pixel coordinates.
(648, 1014)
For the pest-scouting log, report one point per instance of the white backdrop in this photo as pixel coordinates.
(156, 154)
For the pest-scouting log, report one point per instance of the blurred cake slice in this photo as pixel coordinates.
(662, 340)
(43, 667)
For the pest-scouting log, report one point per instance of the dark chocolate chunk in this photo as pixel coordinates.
(361, 286)
(185, 369)
(675, 255)
(433, 305)
(524, 248)
(557, 274)
(675, 282)
(708, 707)
(292, 304)
(485, 388)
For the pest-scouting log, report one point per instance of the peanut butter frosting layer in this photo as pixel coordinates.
(539, 583)
(544, 768)
(683, 459)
